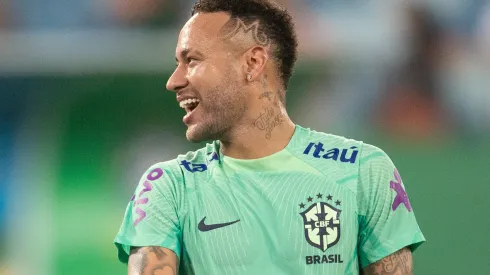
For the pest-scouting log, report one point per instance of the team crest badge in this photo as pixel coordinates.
(322, 223)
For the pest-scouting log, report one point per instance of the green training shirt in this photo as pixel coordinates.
(322, 205)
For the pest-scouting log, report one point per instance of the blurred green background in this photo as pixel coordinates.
(84, 112)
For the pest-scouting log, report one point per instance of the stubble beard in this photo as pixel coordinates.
(222, 110)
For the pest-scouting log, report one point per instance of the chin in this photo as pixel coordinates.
(200, 132)
(196, 134)
(192, 138)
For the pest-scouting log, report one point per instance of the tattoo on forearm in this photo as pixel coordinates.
(163, 269)
(155, 261)
(236, 25)
(268, 120)
(398, 263)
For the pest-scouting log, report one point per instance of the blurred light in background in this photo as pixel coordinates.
(84, 112)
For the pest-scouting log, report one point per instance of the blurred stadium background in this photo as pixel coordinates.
(84, 112)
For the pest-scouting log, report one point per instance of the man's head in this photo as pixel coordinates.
(226, 50)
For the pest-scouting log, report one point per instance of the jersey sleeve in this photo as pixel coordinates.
(387, 220)
(152, 215)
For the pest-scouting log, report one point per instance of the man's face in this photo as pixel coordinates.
(208, 78)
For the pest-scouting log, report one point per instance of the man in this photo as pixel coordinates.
(266, 196)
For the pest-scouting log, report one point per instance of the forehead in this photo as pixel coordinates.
(201, 31)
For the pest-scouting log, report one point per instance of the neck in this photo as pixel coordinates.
(266, 132)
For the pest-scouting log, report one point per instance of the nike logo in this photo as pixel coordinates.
(208, 227)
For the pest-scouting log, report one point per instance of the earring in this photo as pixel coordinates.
(249, 77)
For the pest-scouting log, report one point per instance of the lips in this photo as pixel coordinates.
(189, 105)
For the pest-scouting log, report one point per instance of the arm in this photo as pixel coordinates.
(151, 223)
(152, 260)
(387, 220)
(398, 263)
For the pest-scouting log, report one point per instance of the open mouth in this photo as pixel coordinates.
(189, 104)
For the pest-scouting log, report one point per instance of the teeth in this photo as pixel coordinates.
(184, 103)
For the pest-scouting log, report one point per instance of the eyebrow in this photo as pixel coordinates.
(186, 52)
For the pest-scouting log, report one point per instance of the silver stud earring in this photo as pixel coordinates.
(249, 77)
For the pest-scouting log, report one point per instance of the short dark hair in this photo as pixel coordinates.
(275, 23)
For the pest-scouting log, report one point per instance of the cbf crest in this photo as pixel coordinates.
(321, 222)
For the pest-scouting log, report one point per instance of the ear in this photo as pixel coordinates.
(255, 61)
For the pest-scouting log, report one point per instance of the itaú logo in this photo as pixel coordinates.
(199, 167)
(336, 154)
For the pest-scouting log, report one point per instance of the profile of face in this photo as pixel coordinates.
(208, 79)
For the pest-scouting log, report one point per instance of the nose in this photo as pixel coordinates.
(177, 80)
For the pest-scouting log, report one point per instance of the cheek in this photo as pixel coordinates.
(214, 74)
(203, 76)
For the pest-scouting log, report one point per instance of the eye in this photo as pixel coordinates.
(191, 60)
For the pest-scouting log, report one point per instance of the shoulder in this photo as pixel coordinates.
(192, 161)
(198, 161)
(328, 147)
(376, 169)
(374, 158)
(329, 138)
(171, 175)
(326, 143)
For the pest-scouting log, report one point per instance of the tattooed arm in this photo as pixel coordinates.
(152, 260)
(398, 263)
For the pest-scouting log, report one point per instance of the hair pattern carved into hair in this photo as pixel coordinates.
(270, 24)
(236, 25)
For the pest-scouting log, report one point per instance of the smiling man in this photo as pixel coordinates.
(266, 196)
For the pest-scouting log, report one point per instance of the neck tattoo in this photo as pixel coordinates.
(268, 120)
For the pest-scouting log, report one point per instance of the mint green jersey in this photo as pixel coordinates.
(322, 205)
